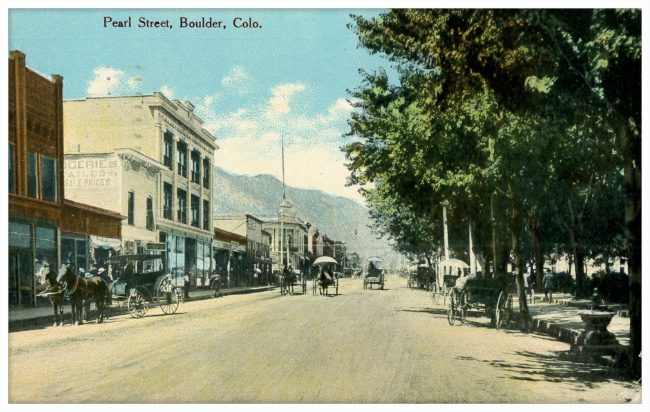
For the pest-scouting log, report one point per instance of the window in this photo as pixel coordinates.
(167, 210)
(182, 159)
(196, 167)
(206, 215)
(169, 149)
(32, 175)
(195, 203)
(131, 212)
(182, 205)
(206, 173)
(49, 179)
(12, 169)
(150, 224)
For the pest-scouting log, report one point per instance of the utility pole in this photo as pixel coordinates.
(445, 204)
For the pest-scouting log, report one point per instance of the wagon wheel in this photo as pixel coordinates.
(137, 305)
(168, 297)
(435, 295)
(445, 294)
(500, 310)
(451, 308)
(462, 307)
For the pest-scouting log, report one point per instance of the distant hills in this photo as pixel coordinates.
(338, 217)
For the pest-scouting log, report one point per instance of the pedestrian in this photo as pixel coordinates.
(186, 288)
(547, 283)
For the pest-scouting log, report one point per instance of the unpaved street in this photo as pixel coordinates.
(368, 346)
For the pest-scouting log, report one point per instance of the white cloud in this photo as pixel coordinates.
(279, 103)
(168, 92)
(238, 80)
(341, 106)
(112, 82)
(250, 137)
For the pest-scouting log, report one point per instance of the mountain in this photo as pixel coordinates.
(338, 217)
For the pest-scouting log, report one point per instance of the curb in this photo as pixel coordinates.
(43, 321)
(615, 361)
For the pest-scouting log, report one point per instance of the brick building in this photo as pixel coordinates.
(40, 219)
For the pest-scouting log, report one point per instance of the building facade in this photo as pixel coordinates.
(41, 220)
(164, 158)
(289, 240)
(258, 258)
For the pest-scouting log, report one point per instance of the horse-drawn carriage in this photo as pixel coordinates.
(420, 277)
(141, 280)
(291, 279)
(449, 271)
(488, 295)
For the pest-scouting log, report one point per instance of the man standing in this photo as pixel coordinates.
(547, 282)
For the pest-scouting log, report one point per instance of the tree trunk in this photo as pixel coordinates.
(539, 256)
(631, 143)
(523, 304)
(495, 245)
(578, 263)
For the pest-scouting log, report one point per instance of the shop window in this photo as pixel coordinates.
(12, 169)
(150, 223)
(131, 207)
(20, 236)
(32, 176)
(49, 179)
(167, 209)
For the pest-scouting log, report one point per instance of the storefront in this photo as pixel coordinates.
(188, 256)
(32, 247)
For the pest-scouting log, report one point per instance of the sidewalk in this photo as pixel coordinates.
(41, 316)
(562, 321)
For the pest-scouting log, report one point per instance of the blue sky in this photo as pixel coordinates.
(250, 86)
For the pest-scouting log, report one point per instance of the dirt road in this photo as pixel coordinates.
(363, 346)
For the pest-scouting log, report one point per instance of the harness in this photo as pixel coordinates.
(74, 289)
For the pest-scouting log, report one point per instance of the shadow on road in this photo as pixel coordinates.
(551, 368)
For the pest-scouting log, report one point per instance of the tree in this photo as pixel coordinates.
(518, 106)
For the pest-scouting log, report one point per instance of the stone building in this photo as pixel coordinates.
(160, 158)
(289, 236)
(44, 227)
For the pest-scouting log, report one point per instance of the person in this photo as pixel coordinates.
(186, 285)
(330, 275)
(215, 281)
(547, 283)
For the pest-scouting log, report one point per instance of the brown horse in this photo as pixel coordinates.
(82, 290)
(56, 294)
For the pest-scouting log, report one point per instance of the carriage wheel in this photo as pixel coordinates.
(137, 305)
(500, 310)
(445, 294)
(435, 293)
(451, 309)
(462, 307)
(168, 297)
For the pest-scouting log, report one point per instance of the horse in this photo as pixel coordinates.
(288, 278)
(56, 294)
(82, 290)
(324, 281)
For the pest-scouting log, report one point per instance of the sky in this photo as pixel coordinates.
(252, 87)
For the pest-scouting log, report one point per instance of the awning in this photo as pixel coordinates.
(105, 243)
